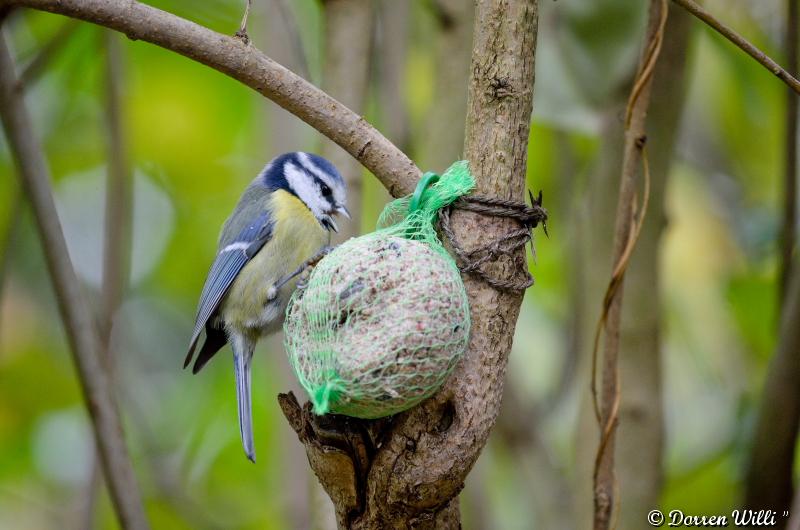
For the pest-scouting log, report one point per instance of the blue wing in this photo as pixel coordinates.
(229, 262)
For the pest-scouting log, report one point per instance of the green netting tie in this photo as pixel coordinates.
(325, 393)
(427, 180)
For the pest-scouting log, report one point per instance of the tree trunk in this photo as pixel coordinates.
(768, 482)
(772, 457)
(406, 471)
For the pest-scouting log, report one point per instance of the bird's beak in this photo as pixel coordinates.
(328, 222)
(343, 210)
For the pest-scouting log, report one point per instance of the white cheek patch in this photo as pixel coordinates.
(324, 176)
(303, 186)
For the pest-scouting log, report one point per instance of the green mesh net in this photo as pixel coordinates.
(383, 318)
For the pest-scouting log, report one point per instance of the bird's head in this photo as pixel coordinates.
(313, 180)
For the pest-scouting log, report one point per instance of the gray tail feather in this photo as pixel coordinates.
(241, 363)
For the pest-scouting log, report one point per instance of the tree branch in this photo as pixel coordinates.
(768, 479)
(251, 67)
(741, 42)
(788, 230)
(117, 231)
(626, 231)
(49, 50)
(80, 325)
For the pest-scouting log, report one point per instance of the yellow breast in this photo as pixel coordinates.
(297, 235)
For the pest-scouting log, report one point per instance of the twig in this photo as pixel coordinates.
(741, 42)
(78, 320)
(248, 65)
(117, 231)
(788, 232)
(627, 229)
(47, 53)
(242, 32)
(119, 193)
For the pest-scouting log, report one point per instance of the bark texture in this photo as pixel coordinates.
(406, 471)
(246, 64)
(346, 67)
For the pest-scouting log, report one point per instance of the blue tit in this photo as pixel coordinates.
(284, 217)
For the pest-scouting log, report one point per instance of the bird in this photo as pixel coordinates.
(283, 218)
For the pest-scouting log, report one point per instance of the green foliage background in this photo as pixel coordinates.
(196, 138)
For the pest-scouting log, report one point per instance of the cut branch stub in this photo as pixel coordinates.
(340, 451)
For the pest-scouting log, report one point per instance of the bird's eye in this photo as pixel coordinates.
(326, 191)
